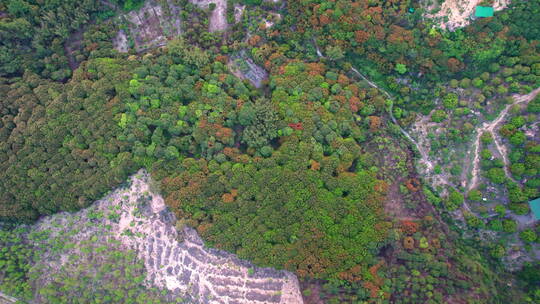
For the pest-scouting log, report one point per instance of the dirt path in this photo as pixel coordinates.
(486, 127)
(423, 152)
(4, 298)
(218, 20)
(490, 127)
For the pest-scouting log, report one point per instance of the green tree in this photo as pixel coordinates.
(528, 235)
(517, 169)
(171, 153)
(486, 138)
(438, 116)
(500, 209)
(401, 68)
(477, 82)
(474, 195)
(450, 101)
(509, 226)
(496, 175)
(518, 138)
(455, 200)
(261, 123)
(498, 251)
(334, 52)
(534, 105)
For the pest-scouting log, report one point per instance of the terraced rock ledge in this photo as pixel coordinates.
(174, 259)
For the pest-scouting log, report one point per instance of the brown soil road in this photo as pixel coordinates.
(490, 127)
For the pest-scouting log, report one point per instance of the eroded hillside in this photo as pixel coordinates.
(453, 14)
(134, 222)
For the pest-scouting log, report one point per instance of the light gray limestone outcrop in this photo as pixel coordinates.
(176, 260)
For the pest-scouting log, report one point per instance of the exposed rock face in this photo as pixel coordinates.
(178, 261)
(238, 11)
(153, 24)
(243, 67)
(218, 18)
(150, 26)
(453, 14)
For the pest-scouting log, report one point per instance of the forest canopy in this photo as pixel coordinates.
(334, 139)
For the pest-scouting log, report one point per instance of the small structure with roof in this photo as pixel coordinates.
(483, 12)
(535, 208)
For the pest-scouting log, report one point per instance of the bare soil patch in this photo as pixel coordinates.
(175, 257)
(150, 26)
(491, 128)
(218, 19)
(453, 14)
(245, 68)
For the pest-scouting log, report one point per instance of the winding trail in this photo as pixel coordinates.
(4, 298)
(490, 127)
(487, 126)
(423, 152)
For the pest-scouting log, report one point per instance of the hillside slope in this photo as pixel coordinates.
(133, 221)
